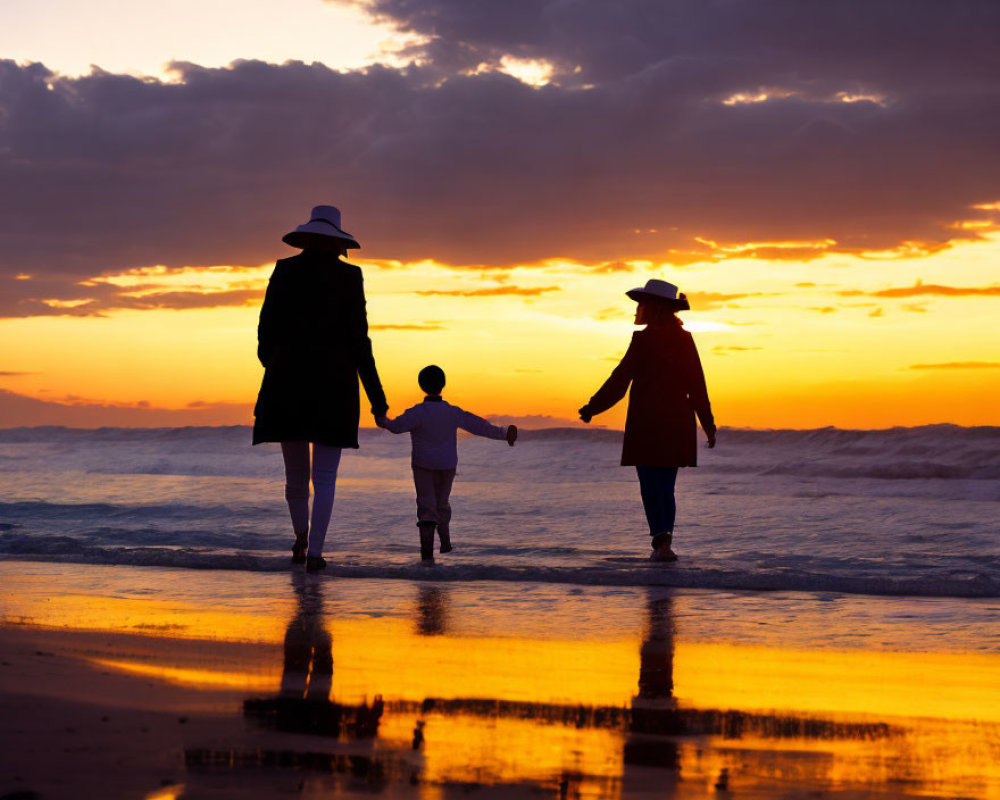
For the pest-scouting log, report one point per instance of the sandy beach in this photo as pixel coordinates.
(159, 683)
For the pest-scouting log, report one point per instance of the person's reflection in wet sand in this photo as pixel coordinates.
(432, 611)
(656, 655)
(654, 710)
(303, 704)
(430, 618)
(308, 667)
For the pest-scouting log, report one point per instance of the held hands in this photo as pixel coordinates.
(511, 434)
(380, 413)
(711, 440)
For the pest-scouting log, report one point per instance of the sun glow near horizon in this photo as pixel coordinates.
(839, 340)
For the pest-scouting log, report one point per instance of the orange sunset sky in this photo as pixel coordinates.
(829, 203)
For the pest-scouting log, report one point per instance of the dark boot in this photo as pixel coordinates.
(315, 563)
(299, 548)
(426, 541)
(445, 536)
(662, 550)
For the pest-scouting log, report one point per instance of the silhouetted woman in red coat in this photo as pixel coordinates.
(668, 389)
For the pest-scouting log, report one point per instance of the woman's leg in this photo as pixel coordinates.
(296, 456)
(325, 461)
(668, 507)
(656, 485)
(652, 501)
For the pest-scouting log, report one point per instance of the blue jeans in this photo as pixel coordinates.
(656, 485)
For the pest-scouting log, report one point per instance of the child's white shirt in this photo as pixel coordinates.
(433, 427)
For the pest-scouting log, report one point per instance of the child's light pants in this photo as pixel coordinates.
(433, 491)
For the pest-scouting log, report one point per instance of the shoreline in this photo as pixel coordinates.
(634, 571)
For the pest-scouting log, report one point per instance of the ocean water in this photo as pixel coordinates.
(908, 511)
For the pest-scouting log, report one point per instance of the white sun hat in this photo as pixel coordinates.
(323, 225)
(660, 291)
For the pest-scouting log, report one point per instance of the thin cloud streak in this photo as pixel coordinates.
(416, 326)
(707, 301)
(959, 365)
(159, 301)
(920, 289)
(943, 291)
(493, 291)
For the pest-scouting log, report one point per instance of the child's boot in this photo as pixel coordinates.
(426, 541)
(445, 536)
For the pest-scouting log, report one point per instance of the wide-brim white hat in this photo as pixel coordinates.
(323, 225)
(660, 291)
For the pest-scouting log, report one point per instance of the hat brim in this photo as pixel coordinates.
(304, 239)
(678, 304)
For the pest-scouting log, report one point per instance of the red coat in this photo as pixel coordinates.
(668, 388)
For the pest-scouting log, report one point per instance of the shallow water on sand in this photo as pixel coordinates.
(437, 689)
(899, 512)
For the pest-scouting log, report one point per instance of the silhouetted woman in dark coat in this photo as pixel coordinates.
(668, 389)
(313, 342)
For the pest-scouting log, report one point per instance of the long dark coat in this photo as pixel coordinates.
(668, 388)
(313, 342)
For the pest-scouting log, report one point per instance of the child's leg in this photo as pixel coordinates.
(423, 482)
(325, 462)
(443, 480)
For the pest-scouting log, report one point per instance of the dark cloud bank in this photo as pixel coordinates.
(17, 410)
(108, 172)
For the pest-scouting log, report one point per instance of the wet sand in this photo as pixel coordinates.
(127, 682)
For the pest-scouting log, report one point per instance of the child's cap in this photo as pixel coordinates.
(431, 379)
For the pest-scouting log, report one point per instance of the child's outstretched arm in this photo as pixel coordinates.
(481, 427)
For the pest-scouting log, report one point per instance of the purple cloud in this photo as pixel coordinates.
(858, 142)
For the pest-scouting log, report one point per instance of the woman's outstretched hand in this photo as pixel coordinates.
(585, 414)
(711, 441)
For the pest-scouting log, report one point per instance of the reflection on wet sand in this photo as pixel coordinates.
(431, 615)
(559, 691)
(654, 715)
(304, 705)
(573, 749)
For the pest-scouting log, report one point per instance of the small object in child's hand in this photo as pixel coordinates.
(511, 434)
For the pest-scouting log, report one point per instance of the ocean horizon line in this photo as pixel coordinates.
(574, 429)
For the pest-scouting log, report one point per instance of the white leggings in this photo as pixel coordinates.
(325, 461)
